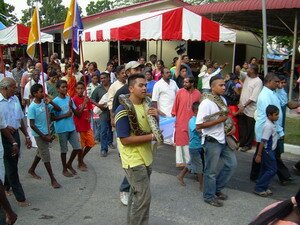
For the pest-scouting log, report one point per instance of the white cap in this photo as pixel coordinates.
(132, 65)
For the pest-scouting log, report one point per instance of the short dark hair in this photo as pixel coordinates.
(79, 83)
(60, 82)
(269, 77)
(52, 72)
(105, 74)
(183, 56)
(76, 66)
(119, 69)
(282, 77)
(35, 88)
(271, 109)
(195, 106)
(191, 80)
(132, 78)
(109, 63)
(182, 67)
(254, 67)
(217, 77)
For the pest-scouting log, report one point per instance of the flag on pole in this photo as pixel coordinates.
(34, 34)
(78, 29)
(73, 21)
(67, 32)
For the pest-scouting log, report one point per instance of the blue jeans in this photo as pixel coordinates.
(96, 129)
(106, 135)
(268, 170)
(213, 183)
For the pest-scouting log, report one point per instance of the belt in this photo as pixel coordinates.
(211, 139)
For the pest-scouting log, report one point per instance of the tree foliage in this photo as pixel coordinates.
(51, 12)
(98, 6)
(6, 16)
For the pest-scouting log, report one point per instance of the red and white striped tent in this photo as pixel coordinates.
(170, 24)
(18, 35)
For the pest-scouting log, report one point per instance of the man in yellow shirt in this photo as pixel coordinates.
(135, 150)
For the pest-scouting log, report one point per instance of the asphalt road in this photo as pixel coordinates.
(93, 197)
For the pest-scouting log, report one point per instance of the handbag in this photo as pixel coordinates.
(232, 142)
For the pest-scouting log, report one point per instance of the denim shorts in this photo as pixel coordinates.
(72, 138)
(195, 165)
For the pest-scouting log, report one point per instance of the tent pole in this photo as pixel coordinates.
(293, 57)
(161, 48)
(233, 57)
(119, 53)
(264, 20)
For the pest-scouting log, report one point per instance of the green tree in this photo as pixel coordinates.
(98, 6)
(51, 12)
(6, 13)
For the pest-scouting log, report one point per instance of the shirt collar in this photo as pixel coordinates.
(269, 90)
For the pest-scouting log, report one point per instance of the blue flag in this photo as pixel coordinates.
(78, 29)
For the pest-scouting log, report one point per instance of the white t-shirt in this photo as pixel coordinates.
(207, 107)
(206, 78)
(164, 94)
(27, 87)
(78, 76)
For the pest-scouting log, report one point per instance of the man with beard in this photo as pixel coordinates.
(182, 109)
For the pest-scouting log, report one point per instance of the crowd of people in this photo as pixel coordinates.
(85, 107)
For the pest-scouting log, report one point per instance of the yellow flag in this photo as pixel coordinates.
(33, 38)
(69, 21)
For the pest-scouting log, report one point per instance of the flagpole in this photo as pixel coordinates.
(82, 62)
(42, 67)
(2, 61)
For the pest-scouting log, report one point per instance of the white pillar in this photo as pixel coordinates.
(264, 20)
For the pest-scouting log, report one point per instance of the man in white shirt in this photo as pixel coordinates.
(207, 75)
(164, 93)
(213, 138)
(109, 70)
(251, 88)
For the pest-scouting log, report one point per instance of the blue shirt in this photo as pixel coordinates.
(66, 124)
(265, 98)
(194, 136)
(282, 96)
(150, 86)
(37, 113)
(12, 111)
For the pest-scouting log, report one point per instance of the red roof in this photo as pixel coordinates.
(243, 5)
(114, 11)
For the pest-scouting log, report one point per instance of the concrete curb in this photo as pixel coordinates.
(294, 149)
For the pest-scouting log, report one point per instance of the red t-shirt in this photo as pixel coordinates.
(82, 123)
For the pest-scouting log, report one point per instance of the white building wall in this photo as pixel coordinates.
(96, 52)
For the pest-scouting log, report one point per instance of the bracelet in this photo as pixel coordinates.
(15, 143)
(27, 137)
(152, 137)
(259, 154)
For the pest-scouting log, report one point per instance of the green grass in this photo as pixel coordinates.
(292, 131)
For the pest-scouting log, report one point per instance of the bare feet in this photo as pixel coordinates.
(24, 204)
(55, 184)
(72, 170)
(8, 193)
(34, 175)
(82, 168)
(180, 179)
(67, 173)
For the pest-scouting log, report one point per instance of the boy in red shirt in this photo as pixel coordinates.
(83, 123)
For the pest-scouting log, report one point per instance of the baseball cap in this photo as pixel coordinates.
(132, 65)
(7, 65)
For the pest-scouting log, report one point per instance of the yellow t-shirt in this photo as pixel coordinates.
(136, 154)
